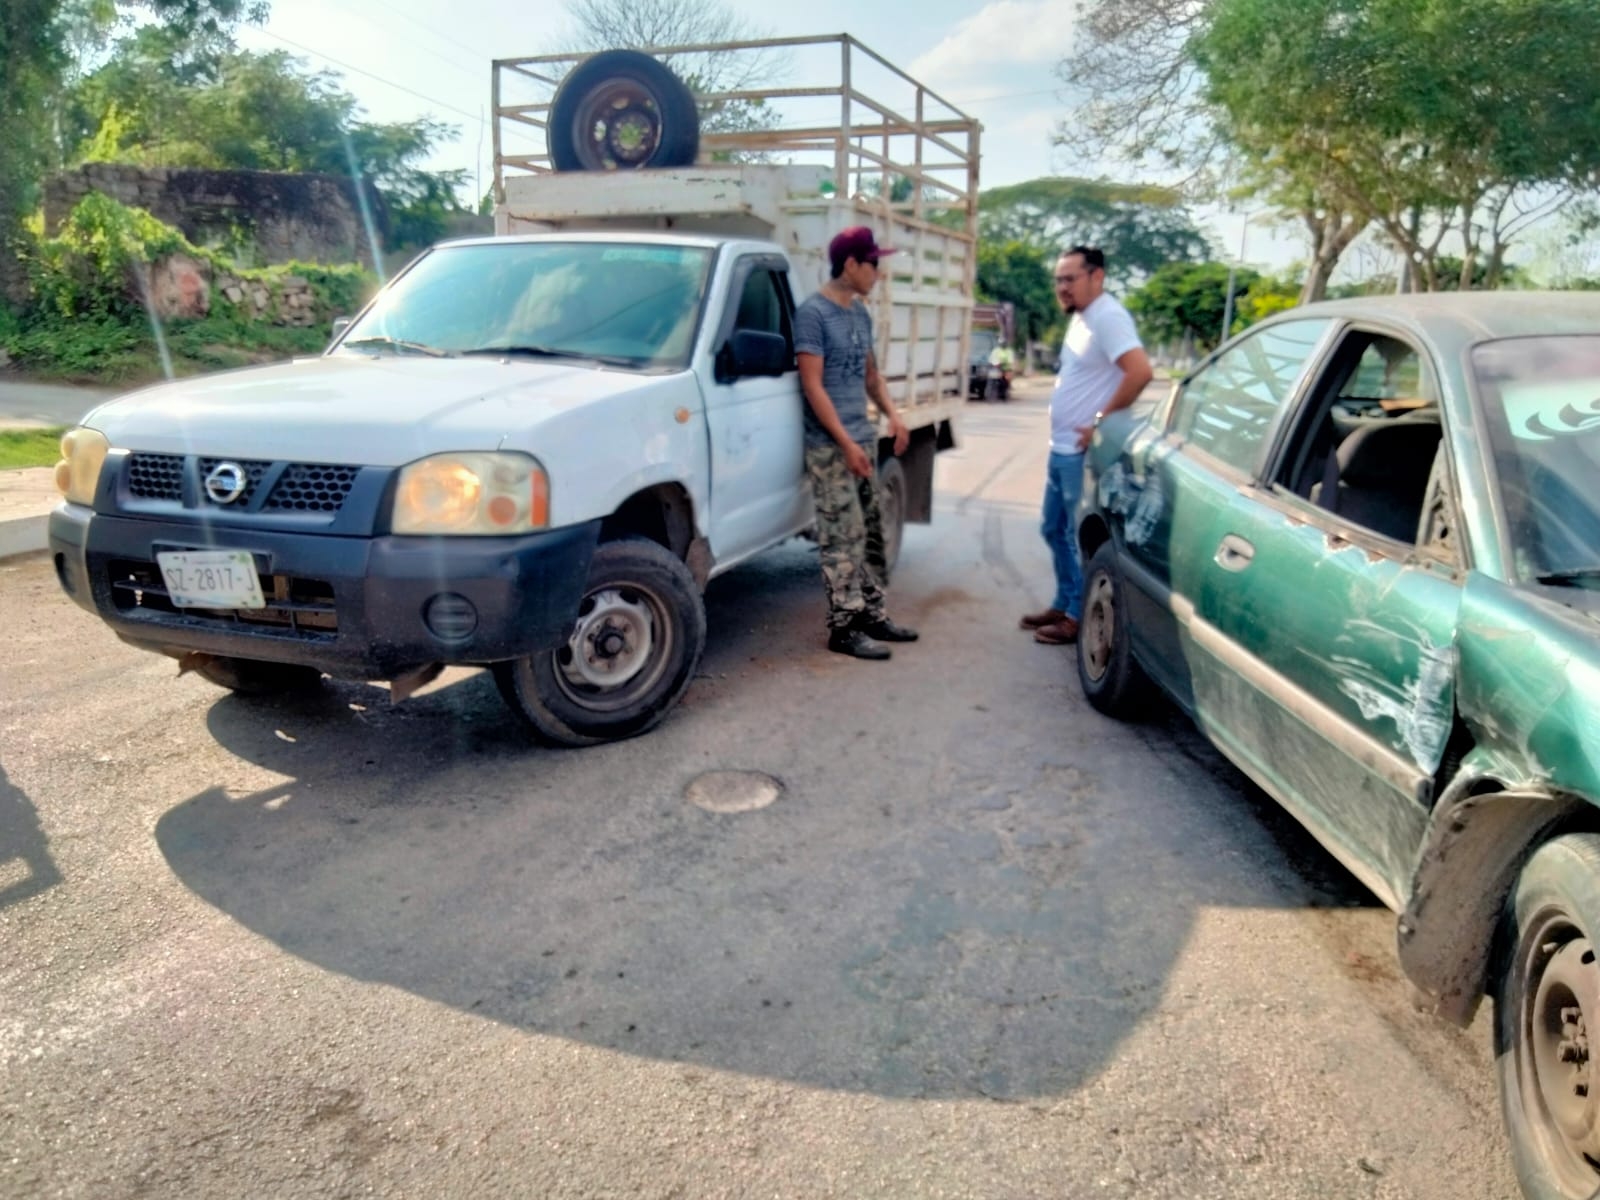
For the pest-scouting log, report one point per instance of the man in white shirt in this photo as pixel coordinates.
(1103, 368)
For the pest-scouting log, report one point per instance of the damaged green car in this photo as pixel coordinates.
(1360, 546)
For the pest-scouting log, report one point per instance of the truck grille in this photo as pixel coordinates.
(297, 608)
(298, 487)
(156, 476)
(305, 487)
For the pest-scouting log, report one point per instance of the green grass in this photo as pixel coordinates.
(29, 448)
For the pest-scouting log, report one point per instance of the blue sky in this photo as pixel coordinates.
(409, 58)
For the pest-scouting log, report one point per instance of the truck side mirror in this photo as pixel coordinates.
(752, 352)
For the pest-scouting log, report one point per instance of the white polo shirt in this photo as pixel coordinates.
(1096, 337)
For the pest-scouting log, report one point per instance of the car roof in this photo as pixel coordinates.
(1470, 316)
(608, 237)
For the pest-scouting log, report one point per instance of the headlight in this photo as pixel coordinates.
(465, 493)
(83, 453)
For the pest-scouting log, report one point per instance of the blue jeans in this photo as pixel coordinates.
(1062, 488)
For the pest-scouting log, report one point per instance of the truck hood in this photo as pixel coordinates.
(373, 411)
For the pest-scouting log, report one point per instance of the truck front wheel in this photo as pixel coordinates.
(633, 649)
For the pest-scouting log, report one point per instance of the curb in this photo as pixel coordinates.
(24, 535)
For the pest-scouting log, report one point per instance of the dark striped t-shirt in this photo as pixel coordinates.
(843, 339)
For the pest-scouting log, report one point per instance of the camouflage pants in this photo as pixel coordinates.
(850, 536)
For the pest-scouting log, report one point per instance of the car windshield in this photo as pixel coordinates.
(622, 304)
(1542, 399)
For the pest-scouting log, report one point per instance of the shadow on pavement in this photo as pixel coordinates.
(22, 843)
(994, 923)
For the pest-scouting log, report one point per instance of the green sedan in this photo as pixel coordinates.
(1360, 546)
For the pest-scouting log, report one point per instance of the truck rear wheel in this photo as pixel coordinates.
(634, 646)
(892, 508)
(622, 110)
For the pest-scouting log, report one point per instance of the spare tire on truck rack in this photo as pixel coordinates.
(620, 110)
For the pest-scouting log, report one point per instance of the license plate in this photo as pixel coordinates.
(211, 578)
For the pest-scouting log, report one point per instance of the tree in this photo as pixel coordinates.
(34, 39)
(1142, 93)
(640, 24)
(231, 110)
(1140, 228)
(1145, 99)
(1426, 117)
(1020, 273)
(1187, 301)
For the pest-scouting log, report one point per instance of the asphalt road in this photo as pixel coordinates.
(24, 403)
(985, 943)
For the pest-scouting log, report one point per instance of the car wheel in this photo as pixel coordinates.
(1546, 996)
(892, 510)
(252, 677)
(622, 110)
(1112, 681)
(634, 645)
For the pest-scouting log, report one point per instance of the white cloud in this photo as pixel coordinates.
(1015, 42)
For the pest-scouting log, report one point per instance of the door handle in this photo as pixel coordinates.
(1234, 554)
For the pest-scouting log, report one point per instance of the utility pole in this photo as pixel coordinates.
(1227, 309)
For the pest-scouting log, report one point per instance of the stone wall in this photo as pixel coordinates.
(286, 218)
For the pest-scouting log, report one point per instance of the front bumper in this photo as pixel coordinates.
(354, 607)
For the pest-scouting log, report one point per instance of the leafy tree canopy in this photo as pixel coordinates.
(1429, 117)
(1020, 273)
(154, 104)
(1140, 227)
(1189, 300)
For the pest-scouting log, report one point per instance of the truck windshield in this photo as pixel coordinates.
(621, 304)
(1541, 396)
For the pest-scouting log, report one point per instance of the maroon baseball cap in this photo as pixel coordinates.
(858, 243)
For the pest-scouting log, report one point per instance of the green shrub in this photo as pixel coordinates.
(90, 268)
(88, 320)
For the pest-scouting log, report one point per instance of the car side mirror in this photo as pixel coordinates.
(753, 352)
(340, 324)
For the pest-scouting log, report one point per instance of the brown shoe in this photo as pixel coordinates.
(1050, 616)
(1063, 633)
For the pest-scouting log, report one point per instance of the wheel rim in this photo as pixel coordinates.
(1557, 1071)
(1098, 631)
(618, 126)
(618, 650)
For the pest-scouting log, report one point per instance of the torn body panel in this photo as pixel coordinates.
(1476, 844)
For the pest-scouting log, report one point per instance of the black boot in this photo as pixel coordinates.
(856, 644)
(885, 630)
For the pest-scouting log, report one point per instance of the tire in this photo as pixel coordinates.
(252, 677)
(892, 508)
(1112, 681)
(1551, 927)
(623, 110)
(635, 643)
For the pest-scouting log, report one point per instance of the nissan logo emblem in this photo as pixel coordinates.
(226, 482)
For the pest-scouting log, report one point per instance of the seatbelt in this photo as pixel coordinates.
(1330, 480)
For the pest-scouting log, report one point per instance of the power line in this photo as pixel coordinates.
(278, 37)
(1009, 96)
(428, 29)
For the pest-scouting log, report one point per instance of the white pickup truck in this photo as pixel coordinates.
(529, 452)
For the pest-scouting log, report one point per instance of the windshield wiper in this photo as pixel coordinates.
(1576, 577)
(610, 360)
(398, 344)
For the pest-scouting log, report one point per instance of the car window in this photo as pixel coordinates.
(1541, 399)
(1367, 445)
(761, 306)
(1228, 406)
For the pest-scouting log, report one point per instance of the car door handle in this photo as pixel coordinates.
(1235, 553)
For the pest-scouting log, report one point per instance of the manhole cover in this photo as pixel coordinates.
(733, 791)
